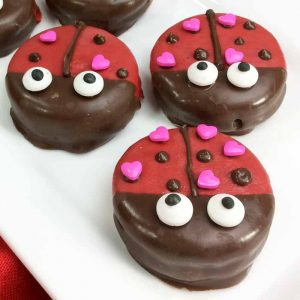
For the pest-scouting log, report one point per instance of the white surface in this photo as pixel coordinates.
(56, 208)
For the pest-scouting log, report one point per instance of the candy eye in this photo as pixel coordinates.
(37, 79)
(174, 209)
(202, 73)
(88, 84)
(225, 210)
(242, 75)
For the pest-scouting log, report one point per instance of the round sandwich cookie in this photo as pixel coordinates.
(115, 16)
(193, 206)
(17, 21)
(219, 69)
(73, 88)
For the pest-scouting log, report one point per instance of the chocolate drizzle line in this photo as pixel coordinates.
(189, 171)
(69, 54)
(211, 17)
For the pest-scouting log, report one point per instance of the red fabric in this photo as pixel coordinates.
(16, 283)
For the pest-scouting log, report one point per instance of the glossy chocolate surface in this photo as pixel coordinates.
(115, 16)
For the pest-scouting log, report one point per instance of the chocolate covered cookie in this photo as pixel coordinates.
(73, 88)
(17, 21)
(115, 16)
(219, 69)
(193, 206)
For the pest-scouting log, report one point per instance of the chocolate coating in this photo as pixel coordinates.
(241, 176)
(115, 16)
(17, 21)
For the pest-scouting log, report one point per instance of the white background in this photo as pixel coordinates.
(56, 207)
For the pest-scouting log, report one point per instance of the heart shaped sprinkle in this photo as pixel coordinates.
(161, 134)
(192, 25)
(48, 37)
(132, 170)
(228, 20)
(100, 63)
(233, 148)
(206, 132)
(232, 56)
(208, 180)
(166, 60)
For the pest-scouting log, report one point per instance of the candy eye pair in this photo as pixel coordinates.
(240, 74)
(86, 84)
(175, 209)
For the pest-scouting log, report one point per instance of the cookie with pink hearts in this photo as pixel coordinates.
(220, 69)
(73, 88)
(193, 206)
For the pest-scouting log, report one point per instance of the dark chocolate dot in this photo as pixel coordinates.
(99, 39)
(237, 124)
(244, 67)
(265, 54)
(34, 57)
(241, 176)
(122, 73)
(172, 38)
(202, 66)
(249, 25)
(89, 78)
(172, 199)
(239, 41)
(200, 54)
(37, 74)
(162, 157)
(173, 185)
(204, 156)
(228, 202)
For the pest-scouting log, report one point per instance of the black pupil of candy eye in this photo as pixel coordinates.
(37, 74)
(244, 67)
(228, 202)
(172, 199)
(202, 66)
(89, 78)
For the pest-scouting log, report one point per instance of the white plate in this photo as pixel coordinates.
(56, 208)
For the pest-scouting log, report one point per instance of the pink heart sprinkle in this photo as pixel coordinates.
(167, 59)
(208, 180)
(48, 37)
(233, 148)
(232, 56)
(193, 25)
(132, 170)
(161, 134)
(206, 132)
(100, 63)
(227, 20)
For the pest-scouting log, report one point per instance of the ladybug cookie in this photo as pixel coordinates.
(115, 16)
(219, 69)
(73, 88)
(193, 206)
(17, 21)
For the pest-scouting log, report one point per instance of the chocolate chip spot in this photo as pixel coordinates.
(249, 25)
(173, 185)
(162, 157)
(244, 67)
(172, 199)
(241, 176)
(172, 38)
(99, 39)
(228, 202)
(34, 57)
(200, 54)
(239, 41)
(122, 73)
(265, 54)
(37, 74)
(204, 156)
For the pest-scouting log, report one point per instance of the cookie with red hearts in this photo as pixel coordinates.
(17, 21)
(115, 16)
(73, 88)
(193, 206)
(219, 69)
